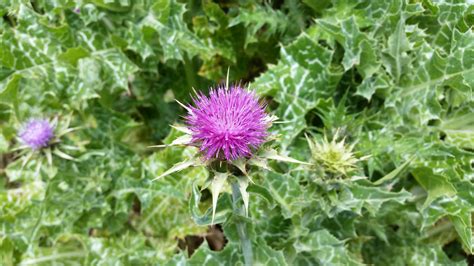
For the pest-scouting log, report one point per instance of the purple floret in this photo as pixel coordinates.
(228, 124)
(37, 133)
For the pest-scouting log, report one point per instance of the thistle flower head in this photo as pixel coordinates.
(334, 156)
(37, 133)
(228, 124)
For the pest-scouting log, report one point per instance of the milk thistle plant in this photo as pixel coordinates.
(39, 140)
(397, 78)
(229, 127)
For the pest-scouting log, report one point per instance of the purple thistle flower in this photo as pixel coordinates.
(37, 133)
(227, 124)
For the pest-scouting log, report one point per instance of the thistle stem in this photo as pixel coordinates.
(189, 72)
(241, 227)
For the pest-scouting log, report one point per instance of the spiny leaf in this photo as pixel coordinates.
(296, 83)
(324, 248)
(243, 184)
(223, 208)
(240, 164)
(273, 155)
(180, 141)
(435, 185)
(217, 184)
(63, 155)
(394, 173)
(178, 167)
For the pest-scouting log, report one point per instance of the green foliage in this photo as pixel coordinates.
(394, 79)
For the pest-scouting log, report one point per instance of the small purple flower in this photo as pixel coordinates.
(227, 124)
(37, 133)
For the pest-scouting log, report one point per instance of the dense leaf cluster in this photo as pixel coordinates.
(388, 83)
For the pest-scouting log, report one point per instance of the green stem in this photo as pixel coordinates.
(189, 72)
(40, 218)
(437, 230)
(241, 227)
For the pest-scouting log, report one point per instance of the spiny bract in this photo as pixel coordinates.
(335, 157)
(37, 133)
(228, 124)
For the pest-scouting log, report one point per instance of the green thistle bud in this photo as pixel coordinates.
(334, 158)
